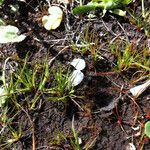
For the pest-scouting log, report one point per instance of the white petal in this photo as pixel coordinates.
(78, 63)
(55, 10)
(148, 43)
(10, 28)
(51, 22)
(3, 96)
(45, 22)
(137, 90)
(79, 140)
(9, 34)
(19, 38)
(76, 77)
(65, 1)
(130, 146)
(136, 128)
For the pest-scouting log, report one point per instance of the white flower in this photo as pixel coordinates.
(76, 77)
(130, 146)
(53, 20)
(55, 10)
(138, 90)
(78, 63)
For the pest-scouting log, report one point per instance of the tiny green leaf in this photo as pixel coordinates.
(126, 2)
(83, 9)
(147, 129)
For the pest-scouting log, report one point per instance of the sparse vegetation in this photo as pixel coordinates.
(81, 84)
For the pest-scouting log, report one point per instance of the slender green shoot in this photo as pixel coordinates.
(75, 143)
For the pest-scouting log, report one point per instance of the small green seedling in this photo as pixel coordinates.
(147, 129)
(16, 135)
(112, 6)
(62, 89)
(77, 141)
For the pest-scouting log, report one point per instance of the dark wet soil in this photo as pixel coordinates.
(108, 111)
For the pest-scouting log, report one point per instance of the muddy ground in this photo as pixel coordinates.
(109, 114)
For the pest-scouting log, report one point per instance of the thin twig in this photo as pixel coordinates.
(76, 103)
(123, 31)
(32, 126)
(108, 28)
(51, 61)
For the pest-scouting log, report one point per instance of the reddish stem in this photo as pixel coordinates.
(118, 116)
(105, 73)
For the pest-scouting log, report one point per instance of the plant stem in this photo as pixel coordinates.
(81, 3)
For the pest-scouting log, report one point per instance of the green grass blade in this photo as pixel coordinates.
(147, 129)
